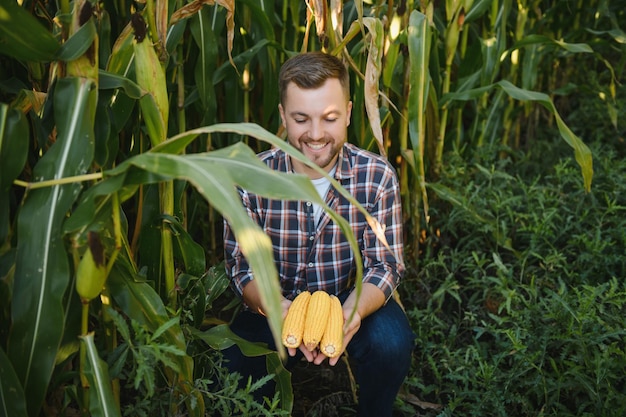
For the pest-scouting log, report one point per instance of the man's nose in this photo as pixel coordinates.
(316, 131)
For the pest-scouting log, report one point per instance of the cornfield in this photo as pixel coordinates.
(125, 128)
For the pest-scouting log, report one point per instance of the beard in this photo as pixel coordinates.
(326, 157)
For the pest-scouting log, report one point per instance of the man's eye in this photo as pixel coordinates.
(331, 120)
(299, 120)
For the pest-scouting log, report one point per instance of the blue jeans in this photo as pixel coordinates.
(381, 352)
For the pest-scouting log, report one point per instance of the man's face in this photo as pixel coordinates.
(317, 122)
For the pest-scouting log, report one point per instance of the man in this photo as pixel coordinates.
(310, 251)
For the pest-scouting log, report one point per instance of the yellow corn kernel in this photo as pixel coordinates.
(316, 319)
(293, 326)
(332, 341)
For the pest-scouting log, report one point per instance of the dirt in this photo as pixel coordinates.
(323, 390)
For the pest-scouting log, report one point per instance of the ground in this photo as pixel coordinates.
(322, 390)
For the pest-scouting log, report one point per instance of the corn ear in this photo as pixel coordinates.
(91, 273)
(332, 341)
(86, 65)
(150, 76)
(293, 326)
(316, 319)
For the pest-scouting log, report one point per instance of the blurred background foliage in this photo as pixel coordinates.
(125, 126)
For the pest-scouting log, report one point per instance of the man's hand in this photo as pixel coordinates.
(349, 330)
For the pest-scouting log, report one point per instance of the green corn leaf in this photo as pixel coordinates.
(478, 9)
(420, 83)
(203, 35)
(42, 270)
(22, 36)
(240, 60)
(543, 40)
(582, 153)
(217, 282)
(101, 400)
(12, 399)
(108, 80)
(191, 253)
(13, 152)
(78, 43)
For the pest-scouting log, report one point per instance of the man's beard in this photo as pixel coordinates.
(323, 160)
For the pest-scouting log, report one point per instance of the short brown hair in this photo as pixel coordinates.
(310, 70)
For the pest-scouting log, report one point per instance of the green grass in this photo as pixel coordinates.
(518, 299)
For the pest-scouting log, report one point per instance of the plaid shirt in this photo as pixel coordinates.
(320, 258)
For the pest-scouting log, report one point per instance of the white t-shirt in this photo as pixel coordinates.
(321, 185)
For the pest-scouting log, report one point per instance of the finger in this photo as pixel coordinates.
(319, 359)
(333, 361)
(307, 353)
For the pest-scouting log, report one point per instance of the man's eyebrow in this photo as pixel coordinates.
(303, 114)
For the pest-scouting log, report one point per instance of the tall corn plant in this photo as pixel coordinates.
(66, 247)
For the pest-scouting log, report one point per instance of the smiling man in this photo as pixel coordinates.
(310, 251)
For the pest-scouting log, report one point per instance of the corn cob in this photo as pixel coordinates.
(150, 76)
(293, 326)
(316, 319)
(332, 341)
(91, 273)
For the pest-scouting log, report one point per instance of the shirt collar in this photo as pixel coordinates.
(344, 164)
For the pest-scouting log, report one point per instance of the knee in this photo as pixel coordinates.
(397, 345)
(388, 343)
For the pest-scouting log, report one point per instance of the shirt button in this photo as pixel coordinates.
(310, 264)
(308, 204)
(311, 237)
(298, 291)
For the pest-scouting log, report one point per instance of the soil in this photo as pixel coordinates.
(323, 390)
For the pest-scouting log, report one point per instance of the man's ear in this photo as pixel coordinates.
(348, 113)
(282, 115)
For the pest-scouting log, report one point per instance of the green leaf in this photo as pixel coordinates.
(543, 40)
(78, 43)
(477, 10)
(22, 36)
(191, 253)
(217, 282)
(13, 151)
(582, 153)
(174, 321)
(419, 41)
(12, 399)
(202, 32)
(42, 271)
(419, 51)
(102, 403)
(139, 301)
(221, 337)
(109, 80)
(283, 380)
(240, 60)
